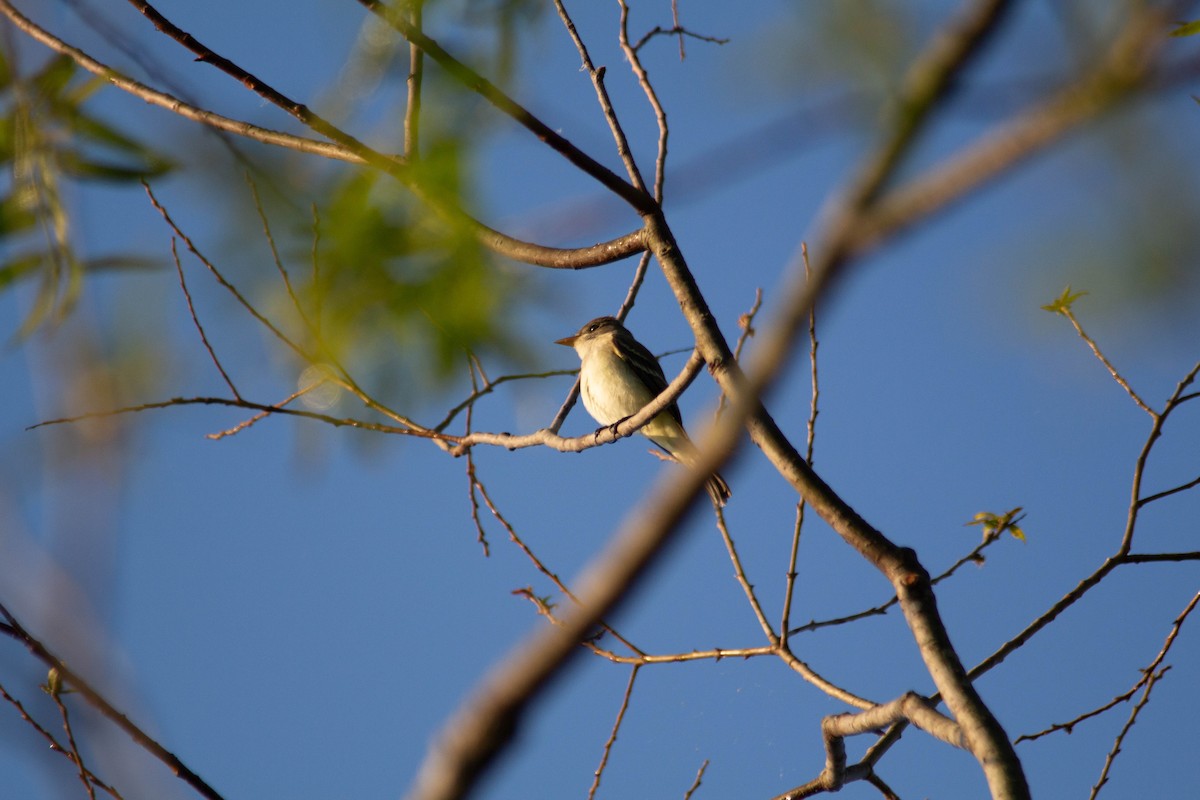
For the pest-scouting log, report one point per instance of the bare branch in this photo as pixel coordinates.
(1091, 343)
(85, 690)
(675, 30)
(196, 321)
(612, 737)
(696, 783)
(1111, 758)
(45, 734)
(1148, 674)
(610, 115)
(55, 693)
(660, 113)
(909, 707)
(1160, 495)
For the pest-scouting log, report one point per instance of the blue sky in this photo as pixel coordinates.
(295, 610)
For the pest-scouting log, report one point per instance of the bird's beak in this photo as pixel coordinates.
(568, 341)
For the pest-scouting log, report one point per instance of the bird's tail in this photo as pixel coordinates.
(718, 489)
(677, 445)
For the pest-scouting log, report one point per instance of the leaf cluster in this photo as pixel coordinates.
(48, 140)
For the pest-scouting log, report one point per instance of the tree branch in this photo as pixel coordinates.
(85, 690)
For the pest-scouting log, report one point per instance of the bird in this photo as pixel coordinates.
(618, 377)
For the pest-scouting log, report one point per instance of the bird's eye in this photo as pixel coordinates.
(592, 328)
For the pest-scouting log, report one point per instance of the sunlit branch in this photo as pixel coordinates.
(910, 707)
(1160, 495)
(626, 427)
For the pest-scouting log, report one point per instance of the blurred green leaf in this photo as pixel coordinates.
(400, 285)
(46, 140)
(1187, 28)
(79, 166)
(54, 76)
(15, 216)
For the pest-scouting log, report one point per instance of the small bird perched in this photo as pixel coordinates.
(619, 377)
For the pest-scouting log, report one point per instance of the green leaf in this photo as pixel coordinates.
(55, 76)
(1187, 28)
(995, 524)
(81, 167)
(1062, 303)
(15, 216)
(20, 267)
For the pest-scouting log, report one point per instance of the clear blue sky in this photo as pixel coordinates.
(294, 610)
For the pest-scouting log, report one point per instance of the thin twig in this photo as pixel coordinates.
(606, 107)
(261, 415)
(85, 690)
(541, 567)
(74, 753)
(739, 573)
(612, 736)
(49, 737)
(1160, 495)
(676, 29)
(172, 103)
(1091, 343)
(473, 482)
(1111, 758)
(477, 83)
(974, 556)
(696, 783)
(660, 113)
(746, 325)
(279, 267)
(221, 279)
(1148, 673)
(196, 321)
(811, 428)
